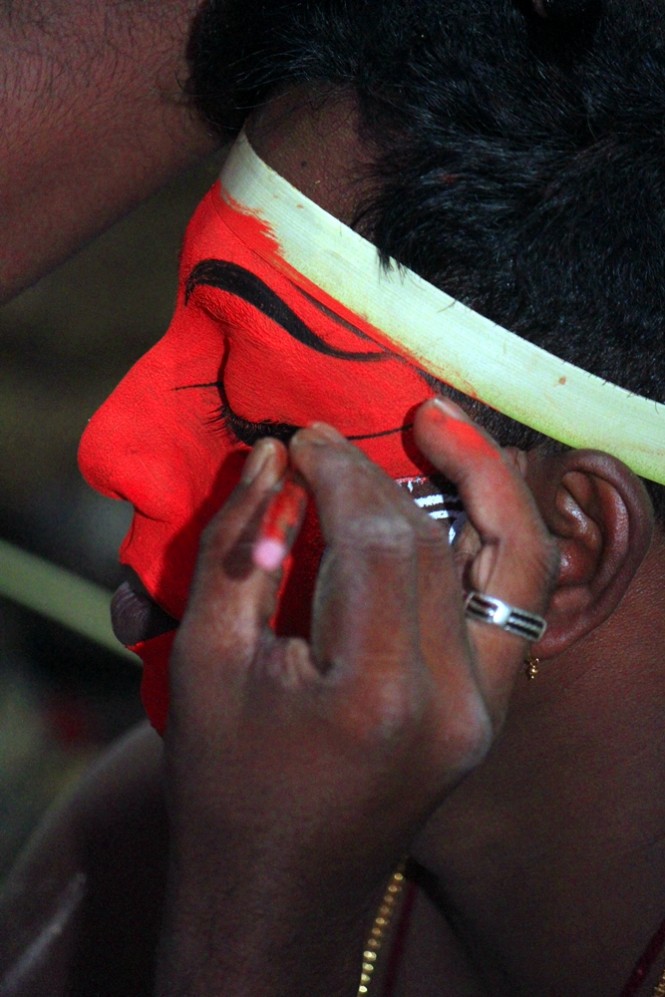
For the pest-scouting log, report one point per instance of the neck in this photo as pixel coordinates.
(554, 850)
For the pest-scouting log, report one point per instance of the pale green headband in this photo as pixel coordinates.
(444, 337)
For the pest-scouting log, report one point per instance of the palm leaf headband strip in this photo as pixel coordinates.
(441, 335)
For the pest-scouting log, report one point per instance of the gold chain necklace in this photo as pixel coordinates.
(660, 986)
(382, 922)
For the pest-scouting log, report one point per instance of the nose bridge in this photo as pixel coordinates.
(120, 453)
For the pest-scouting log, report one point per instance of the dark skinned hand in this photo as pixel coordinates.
(299, 773)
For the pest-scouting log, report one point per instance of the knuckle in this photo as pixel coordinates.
(382, 530)
(387, 707)
(402, 533)
(332, 467)
(468, 734)
(396, 706)
(399, 719)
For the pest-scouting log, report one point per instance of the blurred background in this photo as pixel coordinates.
(64, 345)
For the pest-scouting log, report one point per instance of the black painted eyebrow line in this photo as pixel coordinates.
(237, 280)
(325, 310)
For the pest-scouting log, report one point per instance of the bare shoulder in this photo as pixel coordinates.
(80, 913)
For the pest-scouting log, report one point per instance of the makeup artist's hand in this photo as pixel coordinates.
(298, 774)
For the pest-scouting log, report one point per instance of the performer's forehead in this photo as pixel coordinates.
(232, 251)
(289, 351)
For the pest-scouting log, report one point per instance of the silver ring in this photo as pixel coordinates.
(487, 609)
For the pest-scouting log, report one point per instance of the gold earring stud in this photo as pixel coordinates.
(531, 666)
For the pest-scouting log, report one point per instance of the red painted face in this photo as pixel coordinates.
(251, 351)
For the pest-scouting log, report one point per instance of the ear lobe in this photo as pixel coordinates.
(601, 516)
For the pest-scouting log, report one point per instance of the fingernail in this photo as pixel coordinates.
(322, 430)
(452, 410)
(262, 452)
(329, 432)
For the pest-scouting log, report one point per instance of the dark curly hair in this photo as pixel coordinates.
(520, 163)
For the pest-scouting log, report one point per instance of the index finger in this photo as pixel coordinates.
(232, 598)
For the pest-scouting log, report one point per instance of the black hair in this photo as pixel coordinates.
(520, 160)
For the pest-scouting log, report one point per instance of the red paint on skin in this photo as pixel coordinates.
(471, 441)
(158, 443)
(257, 233)
(467, 436)
(155, 655)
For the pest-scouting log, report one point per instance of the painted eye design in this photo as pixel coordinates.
(239, 429)
(244, 285)
(439, 499)
(250, 432)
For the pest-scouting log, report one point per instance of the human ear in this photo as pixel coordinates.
(601, 517)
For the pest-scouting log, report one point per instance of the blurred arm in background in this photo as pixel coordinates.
(92, 121)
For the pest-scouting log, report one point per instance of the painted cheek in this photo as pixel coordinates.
(155, 655)
(164, 554)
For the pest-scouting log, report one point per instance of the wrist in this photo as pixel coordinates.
(279, 935)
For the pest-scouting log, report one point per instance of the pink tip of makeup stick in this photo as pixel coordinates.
(268, 554)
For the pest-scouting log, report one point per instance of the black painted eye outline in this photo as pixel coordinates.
(244, 430)
(248, 432)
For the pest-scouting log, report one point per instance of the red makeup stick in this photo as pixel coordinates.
(279, 523)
